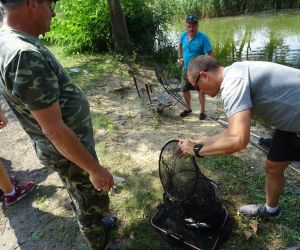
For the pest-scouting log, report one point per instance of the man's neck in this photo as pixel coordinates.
(220, 75)
(191, 36)
(23, 25)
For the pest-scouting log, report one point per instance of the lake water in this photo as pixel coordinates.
(266, 37)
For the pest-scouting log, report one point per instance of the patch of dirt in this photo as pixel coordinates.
(44, 219)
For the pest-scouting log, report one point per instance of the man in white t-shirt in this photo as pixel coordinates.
(265, 90)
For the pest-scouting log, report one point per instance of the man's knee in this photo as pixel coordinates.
(186, 87)
(273, 168)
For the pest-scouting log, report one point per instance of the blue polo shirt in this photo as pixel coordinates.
(199, 45)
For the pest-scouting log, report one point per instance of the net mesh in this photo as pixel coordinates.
(191, 194)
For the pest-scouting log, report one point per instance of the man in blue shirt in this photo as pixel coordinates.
(191, 44)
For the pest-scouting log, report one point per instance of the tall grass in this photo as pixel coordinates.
(216, 8)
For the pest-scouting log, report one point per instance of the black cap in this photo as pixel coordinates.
(192, 19)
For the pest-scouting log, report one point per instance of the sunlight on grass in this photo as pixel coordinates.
(40, 199)
(101, 121)
(234, 177)
(90, 70)
(135, 203)
(102, 149)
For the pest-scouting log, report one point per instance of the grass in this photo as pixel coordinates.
(101, 121)
(136, 201)
(155, 121)
(239, 185)
(37, 235)
(90, 70)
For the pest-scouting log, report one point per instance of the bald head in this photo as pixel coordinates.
(202, 63)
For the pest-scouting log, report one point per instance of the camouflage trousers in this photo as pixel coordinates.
(88, 203)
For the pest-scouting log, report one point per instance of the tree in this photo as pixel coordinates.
(119, 28)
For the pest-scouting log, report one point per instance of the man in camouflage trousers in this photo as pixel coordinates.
(53, 111)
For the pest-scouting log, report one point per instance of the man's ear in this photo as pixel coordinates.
(203, 74)
(32, 4)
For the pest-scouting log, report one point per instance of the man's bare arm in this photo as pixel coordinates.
(67, 143)
(179, 49)
(232, 139)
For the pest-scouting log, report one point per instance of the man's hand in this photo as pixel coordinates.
(180, 61)
(101, 178)
(3, 120)
(186, 147)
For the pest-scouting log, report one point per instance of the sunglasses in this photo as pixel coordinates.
(195, 85)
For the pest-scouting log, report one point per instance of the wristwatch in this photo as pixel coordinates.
(196, 149)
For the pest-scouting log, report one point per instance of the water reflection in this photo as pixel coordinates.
(265, 37)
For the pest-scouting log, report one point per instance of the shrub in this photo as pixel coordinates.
(84, 26)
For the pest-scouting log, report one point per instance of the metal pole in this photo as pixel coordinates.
(225, 124)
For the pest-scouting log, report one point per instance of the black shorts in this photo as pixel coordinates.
(285, 146)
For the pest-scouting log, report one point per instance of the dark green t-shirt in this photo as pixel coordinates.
(31, 79)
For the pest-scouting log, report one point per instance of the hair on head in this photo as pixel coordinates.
(202, 63)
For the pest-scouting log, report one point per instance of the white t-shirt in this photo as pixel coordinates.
(270, 90)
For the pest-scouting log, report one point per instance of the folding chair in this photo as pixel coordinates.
(171, 87)
(142, 88)
(145, 91)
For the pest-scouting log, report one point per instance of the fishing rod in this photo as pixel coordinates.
(225, 124)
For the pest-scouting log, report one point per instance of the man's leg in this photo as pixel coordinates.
(185, 88)
(187, 99)
(201, 97)
(88, 203)
(285, 147)
(275, 181)
(5, 182)
(10, 192)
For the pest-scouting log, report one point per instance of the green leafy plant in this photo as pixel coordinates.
(81, 26)
(84, 26)
(214, 8)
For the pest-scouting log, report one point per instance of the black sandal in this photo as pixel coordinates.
(185, 112)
